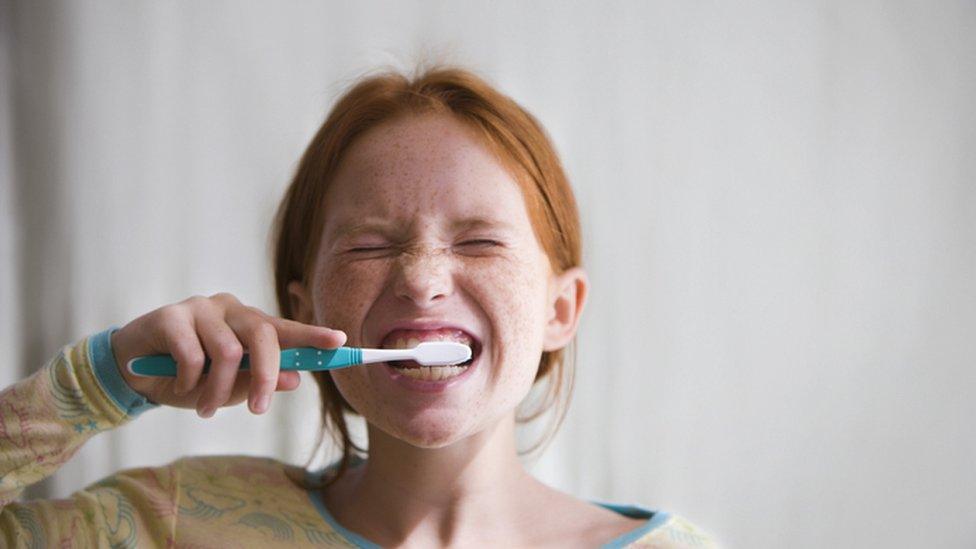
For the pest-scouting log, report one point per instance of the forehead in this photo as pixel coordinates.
(422, 165)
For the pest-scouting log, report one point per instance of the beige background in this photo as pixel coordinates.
(779, 210)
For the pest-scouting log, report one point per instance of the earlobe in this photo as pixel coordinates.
(568, 297)
(299, 301)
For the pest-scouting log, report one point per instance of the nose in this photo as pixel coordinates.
(424, 276)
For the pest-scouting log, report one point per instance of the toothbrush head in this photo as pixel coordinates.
(441, 353)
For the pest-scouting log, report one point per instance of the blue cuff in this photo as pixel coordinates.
(108, 375)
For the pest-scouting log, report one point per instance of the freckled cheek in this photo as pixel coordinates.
(354, 386)
(344, 296)
(513, 299)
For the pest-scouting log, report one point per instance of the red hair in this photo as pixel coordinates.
(510, 132)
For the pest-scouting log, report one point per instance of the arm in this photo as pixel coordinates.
(132, 508)
(44, 419)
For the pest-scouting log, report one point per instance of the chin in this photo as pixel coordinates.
(430, 432)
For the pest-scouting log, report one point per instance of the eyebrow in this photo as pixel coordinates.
(360, 226)
(482, 223)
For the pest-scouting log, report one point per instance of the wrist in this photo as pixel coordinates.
(110, 376)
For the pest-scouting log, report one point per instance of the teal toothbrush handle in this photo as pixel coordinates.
(297, 358)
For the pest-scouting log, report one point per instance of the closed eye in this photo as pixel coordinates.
(369, 252)
(369, 249)
(479, 247)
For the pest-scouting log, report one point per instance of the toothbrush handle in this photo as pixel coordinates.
(297, 358)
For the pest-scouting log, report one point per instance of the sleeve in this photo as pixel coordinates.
(44, 419)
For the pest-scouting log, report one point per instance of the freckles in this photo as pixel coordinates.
(514, 289)
(510, 291)
(343, 295)
(355, 388)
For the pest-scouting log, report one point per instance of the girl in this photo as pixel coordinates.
(425, 209)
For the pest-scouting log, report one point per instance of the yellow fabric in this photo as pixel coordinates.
(207, 501)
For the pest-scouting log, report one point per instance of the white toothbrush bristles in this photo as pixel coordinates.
(441, 353)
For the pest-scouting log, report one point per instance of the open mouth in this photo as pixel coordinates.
(408, 339)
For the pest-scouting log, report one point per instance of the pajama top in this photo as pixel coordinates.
(193, 502)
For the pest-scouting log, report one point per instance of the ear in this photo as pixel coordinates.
(301, 303)
(567, 296)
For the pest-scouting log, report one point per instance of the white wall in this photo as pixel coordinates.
(778, 204)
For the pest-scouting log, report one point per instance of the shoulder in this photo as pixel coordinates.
(242, 498)
(669, 531)
(247, 473)
(597, 523)
(229, 464)
(197, 476)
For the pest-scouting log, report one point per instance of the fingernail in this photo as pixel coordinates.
(205, 412)
(262, 404)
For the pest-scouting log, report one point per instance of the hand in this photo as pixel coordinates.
(222, 328)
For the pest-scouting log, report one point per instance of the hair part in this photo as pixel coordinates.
(515, 137)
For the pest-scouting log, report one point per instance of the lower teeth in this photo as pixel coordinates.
(433, 373)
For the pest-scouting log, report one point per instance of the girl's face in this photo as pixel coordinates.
(427, 237)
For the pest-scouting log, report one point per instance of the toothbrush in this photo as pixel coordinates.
(428, 353)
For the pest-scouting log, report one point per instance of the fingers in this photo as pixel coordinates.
(261, 339)
(264, 337)
(227, 329)
(182, 341)
(297, 334)
(225, 351)
(288, 381)
(223, 329)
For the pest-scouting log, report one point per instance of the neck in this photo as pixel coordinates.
(434, 495)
